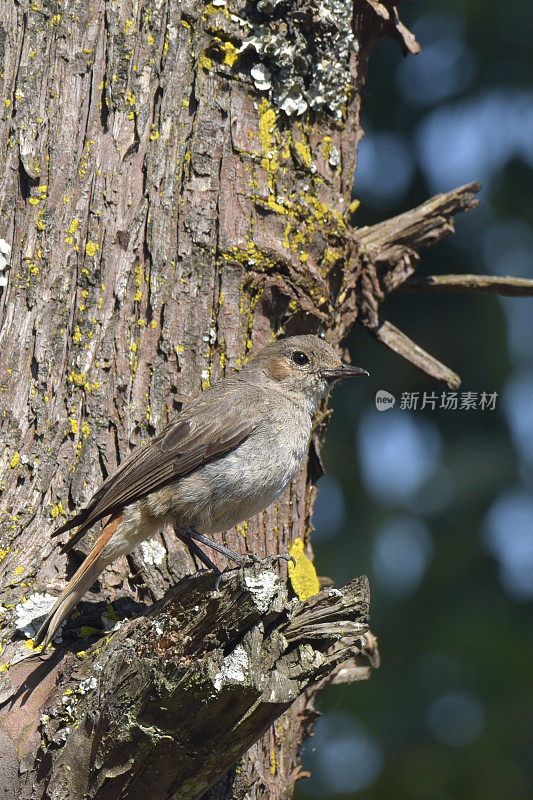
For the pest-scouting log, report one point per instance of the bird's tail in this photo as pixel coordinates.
(80, 582)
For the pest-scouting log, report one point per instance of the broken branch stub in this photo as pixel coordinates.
(506, 285)
(180, 694)
(399, 343)
(392, 246)
(391, 25)
(389, 251)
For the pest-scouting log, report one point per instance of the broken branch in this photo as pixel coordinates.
(401, 344)
(456, 284)
(390, 252)
(393, 245)
(179, 694)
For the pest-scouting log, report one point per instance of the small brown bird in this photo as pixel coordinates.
(228, 455)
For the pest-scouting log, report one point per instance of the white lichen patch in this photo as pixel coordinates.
(30, 613)
(87, 684)
(153, 552)
(70, 700)
(5, 260)
(334, 156)
(234, 668)
(239, 20)
(305, 64)
(261, 77)
(263, 587)
(62, 734)
(266, 6)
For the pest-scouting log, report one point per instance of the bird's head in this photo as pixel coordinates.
(305, 366)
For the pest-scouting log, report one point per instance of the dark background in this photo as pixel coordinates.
(435, 506)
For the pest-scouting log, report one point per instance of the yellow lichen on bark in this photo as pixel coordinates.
(302, 575)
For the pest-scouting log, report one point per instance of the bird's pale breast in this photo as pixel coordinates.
(241, 483)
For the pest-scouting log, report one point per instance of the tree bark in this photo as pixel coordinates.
(175, 193)
(182, 692)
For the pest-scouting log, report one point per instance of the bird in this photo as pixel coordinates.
(227, 455)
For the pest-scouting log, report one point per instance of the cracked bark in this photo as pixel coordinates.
(165, 219)
(188, 686)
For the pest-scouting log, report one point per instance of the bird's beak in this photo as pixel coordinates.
(344, 371)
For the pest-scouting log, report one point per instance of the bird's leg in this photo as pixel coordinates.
(187, 539)
(189, 535)
(231, 554)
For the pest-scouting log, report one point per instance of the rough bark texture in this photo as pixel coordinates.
(188, 687)
(168, 213)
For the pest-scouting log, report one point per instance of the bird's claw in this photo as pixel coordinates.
(287, 557)
(217, 581)
(249, 559)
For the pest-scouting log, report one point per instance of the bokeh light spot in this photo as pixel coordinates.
(329, 511)
(402, 550)
(456, 718)
(397, 453)
(508, 536)
(341, 756)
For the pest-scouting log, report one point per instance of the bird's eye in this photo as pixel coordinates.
(300, 358)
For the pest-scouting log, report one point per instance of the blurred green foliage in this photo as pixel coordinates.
(448, 715)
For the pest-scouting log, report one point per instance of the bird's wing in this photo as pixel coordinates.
(209, 427)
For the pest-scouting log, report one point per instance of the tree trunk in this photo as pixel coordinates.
(173, 199)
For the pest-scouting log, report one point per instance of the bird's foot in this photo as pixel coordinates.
(190, 537)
